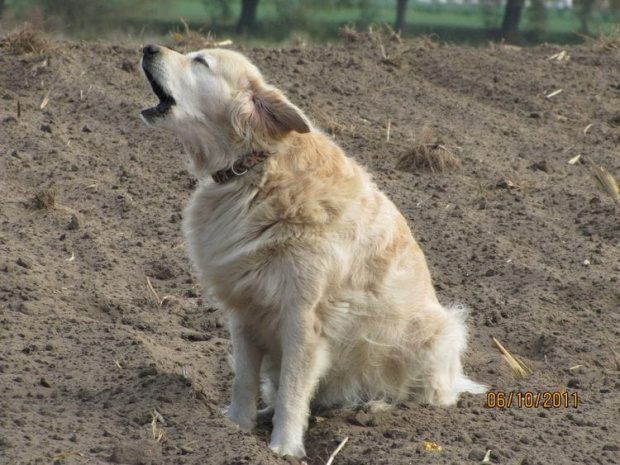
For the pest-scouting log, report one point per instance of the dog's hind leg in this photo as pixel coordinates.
(247, 358)
(305, 358)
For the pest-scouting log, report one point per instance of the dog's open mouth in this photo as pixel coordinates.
(165, 100)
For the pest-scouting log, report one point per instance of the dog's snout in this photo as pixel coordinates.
(150, 50)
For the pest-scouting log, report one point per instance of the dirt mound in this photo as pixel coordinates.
(96, 361)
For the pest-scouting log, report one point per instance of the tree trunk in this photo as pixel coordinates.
(584, 12)
(247, 20)
(512, 17)
(401, 12)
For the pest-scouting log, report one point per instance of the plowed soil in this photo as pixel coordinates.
(90, 207)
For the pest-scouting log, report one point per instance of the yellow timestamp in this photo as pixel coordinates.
(530, 399)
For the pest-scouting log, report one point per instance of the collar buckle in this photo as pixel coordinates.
(232, 168)
(240, 166)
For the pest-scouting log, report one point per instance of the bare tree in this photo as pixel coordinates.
(223, 7)
(512, 17)
(247, 19)
(584, 13)
(401, 12)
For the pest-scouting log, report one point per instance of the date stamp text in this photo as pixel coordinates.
(532, 399)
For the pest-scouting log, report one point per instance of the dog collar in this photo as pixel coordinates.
(240, 166)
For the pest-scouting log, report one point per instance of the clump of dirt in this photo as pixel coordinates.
(89, 354)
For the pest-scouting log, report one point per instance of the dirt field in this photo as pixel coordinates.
(90, 207)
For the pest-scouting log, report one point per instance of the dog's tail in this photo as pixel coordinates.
(465, 384)
(447, 380)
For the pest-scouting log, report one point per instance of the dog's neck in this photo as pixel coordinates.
(241, 166)
(210, 157)
(208, 164)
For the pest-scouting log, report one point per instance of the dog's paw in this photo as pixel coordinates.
(294, 450)
(266, 413)
(265, 416)
(245, 422)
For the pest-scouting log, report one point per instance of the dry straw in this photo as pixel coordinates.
(349, 33)
(45, 199)
(560, 56)
(428, 154)
(189, 39)
(158, 434)
(604, 42)
(600, 176)
(338, 449)
(65, 455)
(45, 100)
(327, 122)
(519, 369)
(554, 93)
(26, 40)
(159, 301)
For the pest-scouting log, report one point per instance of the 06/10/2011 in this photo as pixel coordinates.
(530, 399)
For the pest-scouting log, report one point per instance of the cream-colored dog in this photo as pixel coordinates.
(328, 295)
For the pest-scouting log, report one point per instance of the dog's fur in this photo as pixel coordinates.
(328, 295)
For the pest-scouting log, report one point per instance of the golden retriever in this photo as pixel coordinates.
(328, 295)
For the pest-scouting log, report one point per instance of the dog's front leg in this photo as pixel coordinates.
(304, 360)
(247, 358)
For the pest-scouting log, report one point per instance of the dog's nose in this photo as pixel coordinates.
(150, 50)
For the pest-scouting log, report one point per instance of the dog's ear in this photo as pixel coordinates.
(265, 112)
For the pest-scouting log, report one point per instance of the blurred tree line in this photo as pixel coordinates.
(297, 10)
(78, 15)
(537, 11)
(96, 15)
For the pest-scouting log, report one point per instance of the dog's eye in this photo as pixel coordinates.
(202, 61)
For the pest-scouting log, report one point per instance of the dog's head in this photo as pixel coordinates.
(216, 92)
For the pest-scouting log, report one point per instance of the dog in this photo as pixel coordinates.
(329, 297)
